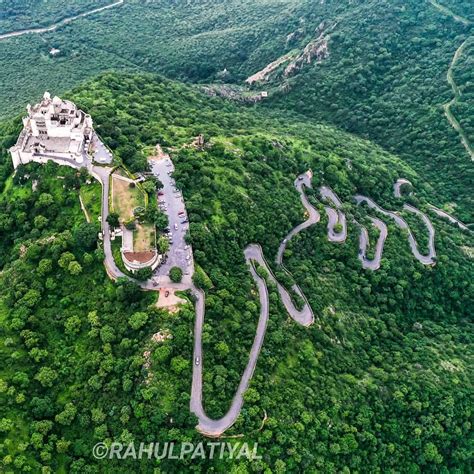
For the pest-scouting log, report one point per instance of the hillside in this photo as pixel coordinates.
(382, 381)
(23, 14)
(378, 69)
(385, 77)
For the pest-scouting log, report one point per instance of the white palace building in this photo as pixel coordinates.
(56, 129)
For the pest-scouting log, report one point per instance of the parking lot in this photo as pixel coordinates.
(171, 202)
(100, 152)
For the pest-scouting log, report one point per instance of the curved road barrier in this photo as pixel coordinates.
(372, 264)
(335, 216)
(397, 187)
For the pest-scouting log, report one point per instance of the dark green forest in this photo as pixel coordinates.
(23, 14)
(381, 382)
(384, 76)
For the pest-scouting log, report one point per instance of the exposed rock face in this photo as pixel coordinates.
(315, 51)
(264, 74)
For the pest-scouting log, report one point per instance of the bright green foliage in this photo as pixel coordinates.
(382, 381)
(176, 274)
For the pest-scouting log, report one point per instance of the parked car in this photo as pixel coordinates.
(176, 227)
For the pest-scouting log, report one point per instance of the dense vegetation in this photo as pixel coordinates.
(23, 14)
(188, 40)
(382, 382)
(384, 77)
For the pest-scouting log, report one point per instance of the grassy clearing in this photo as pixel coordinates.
(125, 198)
(144, 238)
(91, 195)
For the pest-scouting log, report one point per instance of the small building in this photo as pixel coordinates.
(264, 94)
(54, 51)
(53, 128)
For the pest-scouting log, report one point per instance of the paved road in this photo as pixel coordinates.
(102, 174)
(313, 214)
(457, 94)
(335, 216)
(364, 242)
(449, 217)
(450, 13)
(253, 254)
(101, 153)
(206, 425)
(450, 78)
(54, 26)
(429, 259)
(397, 192)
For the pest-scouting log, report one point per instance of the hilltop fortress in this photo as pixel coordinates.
(54, 128)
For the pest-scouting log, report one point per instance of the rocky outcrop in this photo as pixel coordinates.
(315, 51)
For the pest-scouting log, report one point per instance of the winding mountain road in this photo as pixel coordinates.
(449, 217)
(457, 93)
(364, 242)
(63, 22)
(254, 256)
(429, 259)
(313, 214)
(397, 192)
(335, 216)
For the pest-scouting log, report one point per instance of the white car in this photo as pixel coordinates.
(176, 227)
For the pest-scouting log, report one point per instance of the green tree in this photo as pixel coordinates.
(74, 268)
(176, 274)
(163, 245)
(66, 259)
(46, 376)
(114, 219)
(144, 274)
(138, 320)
